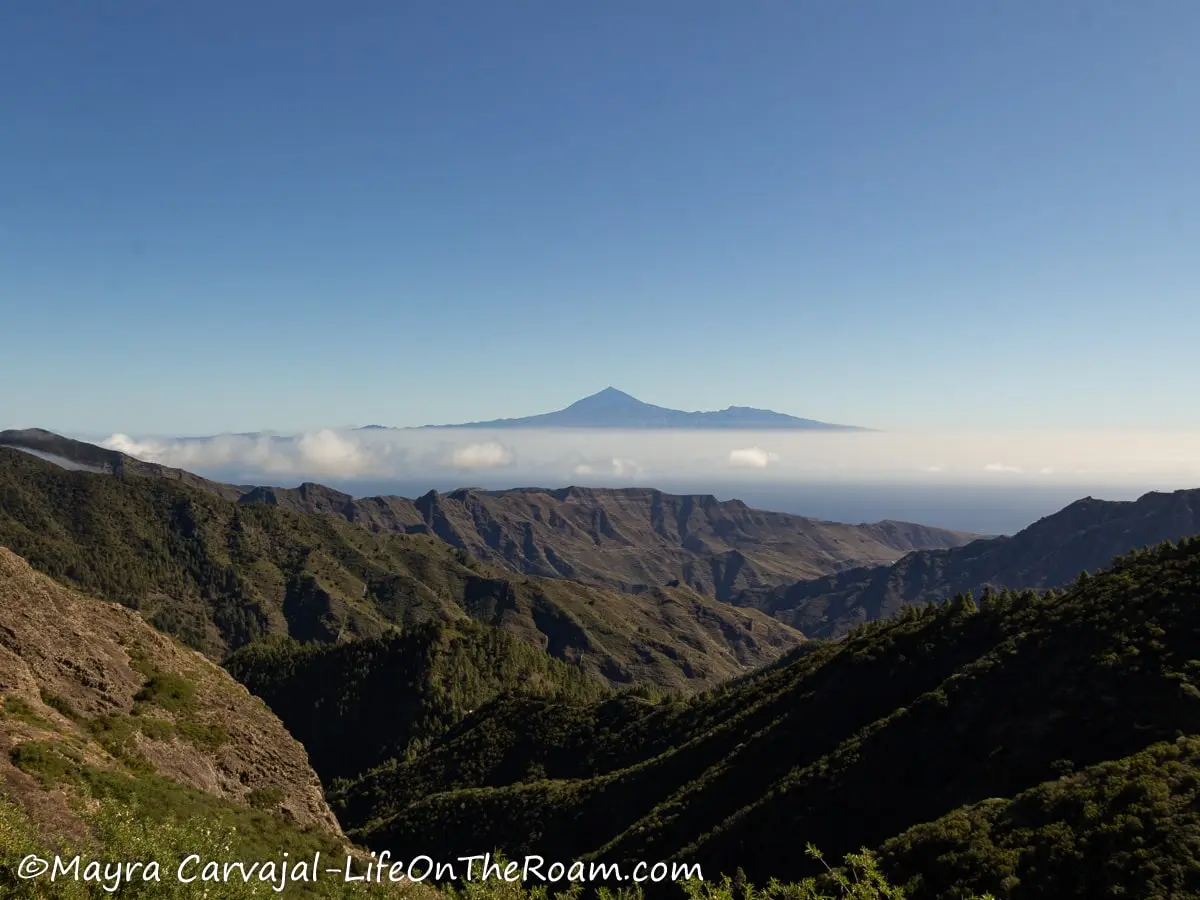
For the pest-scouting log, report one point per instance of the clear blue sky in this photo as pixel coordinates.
(230, 216)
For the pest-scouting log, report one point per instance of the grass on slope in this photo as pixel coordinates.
(129, 814)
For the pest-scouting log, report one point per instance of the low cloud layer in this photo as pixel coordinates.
(1003, 467)
(751, 458)
(491, 455)
(556, 458)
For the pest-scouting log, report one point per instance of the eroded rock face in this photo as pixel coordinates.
(67, 660)
(627, 537)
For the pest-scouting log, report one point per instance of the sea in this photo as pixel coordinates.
(982, 509)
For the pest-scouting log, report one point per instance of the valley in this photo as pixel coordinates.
(436, 690)
(599, 451)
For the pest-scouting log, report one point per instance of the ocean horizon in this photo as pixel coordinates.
(992, 509)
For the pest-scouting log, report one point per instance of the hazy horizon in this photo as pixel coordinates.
(976, 481)
(932, 219)
(933, 215)
(1035, 457)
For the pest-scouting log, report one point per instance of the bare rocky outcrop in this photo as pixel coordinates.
(627, 538)
(67, 661)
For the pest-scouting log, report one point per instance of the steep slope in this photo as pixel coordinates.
(913, 721)
(358, 704)
(618, 538)
(1049, 553)
(94, 697)
(628, 538)
(220, 574)
(1123, 828)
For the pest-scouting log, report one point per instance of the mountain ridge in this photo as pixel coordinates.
(220, 574)
(1082, 536)
(1077, 698)
(70, 453)
(612, 408)
(621, 538)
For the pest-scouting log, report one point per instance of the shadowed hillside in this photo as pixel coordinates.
(357, 704)
(1049, 553)
(901, 735)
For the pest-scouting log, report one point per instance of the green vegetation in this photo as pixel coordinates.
(115, 733)
(60, 705)
(122, 829)
(172, 692)
(1132, 823)
(220, 574)
(214, 573)
(1013, 744)
(358, 704)
(49, 761)
(156, 729)
(153, 819)
(147, 803)
(1008, 743)
(175, 694)
(15, 708)
(265, 798)
(149, 818)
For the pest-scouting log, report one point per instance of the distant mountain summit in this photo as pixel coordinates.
(611, 408)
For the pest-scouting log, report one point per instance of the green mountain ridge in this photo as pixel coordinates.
(624, 539)
(220, 574)
(360, 703)
(892, 737)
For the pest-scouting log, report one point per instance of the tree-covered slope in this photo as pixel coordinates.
(357, 704)
(1083, 536)
(118, 744)
(1127, 828)
(220, 574)
(900, 725)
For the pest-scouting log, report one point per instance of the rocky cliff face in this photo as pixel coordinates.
(95, 680)
(627, 538)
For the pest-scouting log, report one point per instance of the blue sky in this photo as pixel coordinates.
(932, 214)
